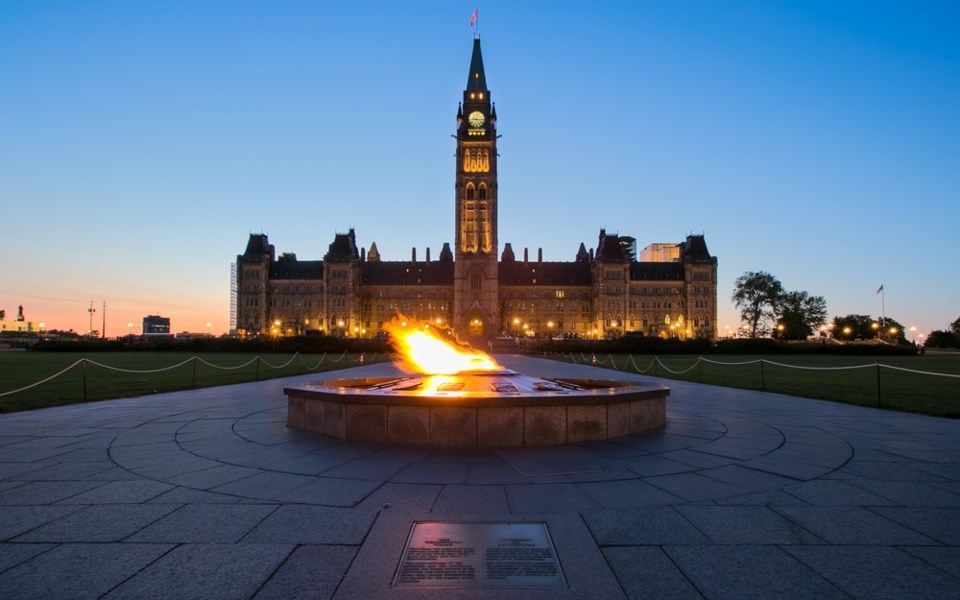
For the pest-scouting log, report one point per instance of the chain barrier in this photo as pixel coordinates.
(194, 359)
(697, 364)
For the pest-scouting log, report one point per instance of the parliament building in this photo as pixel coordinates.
(475, 288)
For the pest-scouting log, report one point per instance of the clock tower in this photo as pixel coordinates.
(476, 308)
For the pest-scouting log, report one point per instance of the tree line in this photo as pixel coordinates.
(768, 309)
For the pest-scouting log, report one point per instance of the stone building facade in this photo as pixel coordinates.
(478, 291)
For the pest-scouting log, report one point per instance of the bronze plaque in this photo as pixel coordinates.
(442, 554)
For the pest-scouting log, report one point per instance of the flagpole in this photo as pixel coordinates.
(883, 307)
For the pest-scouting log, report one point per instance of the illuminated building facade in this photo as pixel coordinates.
(669, 290)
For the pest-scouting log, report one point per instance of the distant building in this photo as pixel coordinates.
(156, 325)
(670, 290)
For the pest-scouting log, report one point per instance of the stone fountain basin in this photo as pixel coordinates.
(490, 410)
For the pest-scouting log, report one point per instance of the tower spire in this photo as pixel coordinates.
(477, 79)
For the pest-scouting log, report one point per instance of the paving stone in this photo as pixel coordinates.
(786, 466)
(884, 471)
(877, 572)
(628, 493)
(408, 497)
(208, 571)
(205, 524)
(851, 525)
(367, 468)
(432, 473)
(78, 570)
(745, 478)
(264, 486)
(46, 492)
(329, 491)
(556, 460)
(941, 524)
(651, 526)
(311, 572)
(121, 492)
(746, 525)
(296, 524)
(66, 471)
(695, 487)
(472, 499)
(98, 523)
(767, 498)
(825, 492)
(182, 495)
(15, 470)
(548, 498)
(740, 572)
(15, 520)
(651, 465)
(12, 555)
(945, 558)
(493, 474)
(210, 478)
(697, 458)
(910, 493)
(646, 572)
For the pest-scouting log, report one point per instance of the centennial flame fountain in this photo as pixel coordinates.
(457, 396)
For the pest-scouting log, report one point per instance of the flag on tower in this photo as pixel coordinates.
(473, 19)
(880, 289)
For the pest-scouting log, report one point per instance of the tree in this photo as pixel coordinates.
(865, 327)
(954, 327)
(942, 339)
(755, 294)
(800, 314)
(3, 314)
(853, 327)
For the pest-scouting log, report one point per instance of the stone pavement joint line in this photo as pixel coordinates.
(207, 493)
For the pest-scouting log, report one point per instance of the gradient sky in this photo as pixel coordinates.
(141, 142)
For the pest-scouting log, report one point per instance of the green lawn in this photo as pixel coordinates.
(89, 381)
(827, 377)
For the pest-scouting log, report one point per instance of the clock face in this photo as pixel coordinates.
(475, 119)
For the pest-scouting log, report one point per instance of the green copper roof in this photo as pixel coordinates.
(476, 80)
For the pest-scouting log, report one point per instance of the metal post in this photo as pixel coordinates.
(700, 369)
(878, 385)
(83, 371)
(258, 367)
(193, 383)
(763, 382)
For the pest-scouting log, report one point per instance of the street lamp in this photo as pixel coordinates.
(876, 328)
(208, 329)
(913, 334)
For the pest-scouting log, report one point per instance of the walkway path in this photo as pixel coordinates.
(207, 494)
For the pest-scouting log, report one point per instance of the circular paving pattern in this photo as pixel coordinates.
(699, 455)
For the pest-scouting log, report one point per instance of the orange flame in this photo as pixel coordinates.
(424, 349)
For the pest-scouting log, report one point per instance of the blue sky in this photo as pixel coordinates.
(140, 142)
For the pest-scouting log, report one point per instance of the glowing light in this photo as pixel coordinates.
(422, 350)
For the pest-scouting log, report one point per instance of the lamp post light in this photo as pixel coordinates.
(130, 329)
(846, 332)
(208, 329)
(876, 329)
(913, 334)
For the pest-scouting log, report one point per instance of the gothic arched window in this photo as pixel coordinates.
(483, 191)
